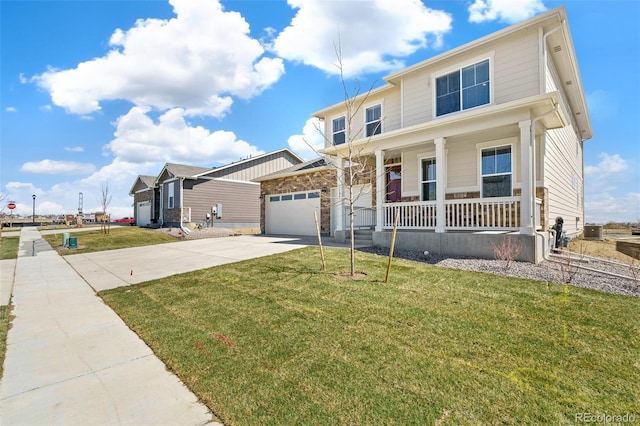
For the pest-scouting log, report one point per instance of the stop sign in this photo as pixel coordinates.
(11, 205)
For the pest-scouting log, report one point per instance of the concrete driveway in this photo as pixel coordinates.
(116, 268)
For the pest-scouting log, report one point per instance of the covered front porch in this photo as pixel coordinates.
(458, 186)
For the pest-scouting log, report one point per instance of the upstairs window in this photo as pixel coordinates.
(462, 89)
(428, 180)
(339, 130)
(373, 120)
(496, 172)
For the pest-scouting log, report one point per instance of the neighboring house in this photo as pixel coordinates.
(476, 143)
(188, 196)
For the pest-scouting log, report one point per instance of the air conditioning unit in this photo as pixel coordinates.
(593, 232)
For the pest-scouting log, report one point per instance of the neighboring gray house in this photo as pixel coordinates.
(189, 196)
(472, 145)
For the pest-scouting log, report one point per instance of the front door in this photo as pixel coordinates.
(394, 184)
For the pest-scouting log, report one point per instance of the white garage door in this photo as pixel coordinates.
(143, 213)
(292, 214)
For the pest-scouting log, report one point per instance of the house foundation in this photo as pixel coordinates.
(470, 244)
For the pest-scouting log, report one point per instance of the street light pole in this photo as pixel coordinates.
(34, 209)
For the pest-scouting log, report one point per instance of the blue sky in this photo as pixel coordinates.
(98, 92)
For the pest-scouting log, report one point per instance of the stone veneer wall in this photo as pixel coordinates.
(320, 180)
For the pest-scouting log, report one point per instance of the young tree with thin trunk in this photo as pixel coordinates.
(352, 167)
(104, 202)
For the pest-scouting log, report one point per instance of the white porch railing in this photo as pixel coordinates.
(477, 214)
(363, 217)
(413, 215)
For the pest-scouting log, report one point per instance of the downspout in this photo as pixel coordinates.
(534, 121)
(543, 89)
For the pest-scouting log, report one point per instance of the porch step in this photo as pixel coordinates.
(362, 236)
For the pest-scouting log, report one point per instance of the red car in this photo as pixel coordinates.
(131, 221)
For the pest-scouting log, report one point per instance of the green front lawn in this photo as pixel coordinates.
(9, 247)
(5, 324)
(124, 237)
(275, 341)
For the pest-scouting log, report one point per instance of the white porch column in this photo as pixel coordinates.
(339, 203)
(441, 173)
(380, 184)
(526, 178)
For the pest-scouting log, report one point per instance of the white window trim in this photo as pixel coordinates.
(346, 128)
(491, 57)
(512, 142)
(372, 105)
(430, 154)
(422, 182)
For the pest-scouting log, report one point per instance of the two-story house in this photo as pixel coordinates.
(476, 143)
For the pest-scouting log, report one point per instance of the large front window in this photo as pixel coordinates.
(428, 180)
(463, 89)
(339, 130)
(373, 120)
(496, 172)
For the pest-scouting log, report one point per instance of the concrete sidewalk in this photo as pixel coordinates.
(72, 361)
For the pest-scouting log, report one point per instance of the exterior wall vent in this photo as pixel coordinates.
(557, 49)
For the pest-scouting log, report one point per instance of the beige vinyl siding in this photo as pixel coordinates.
(411, 170)
(391, 111)
(257, 168)
(240, 200)
(563, 169)
(514, 75)
(418, 99)
(462, 166)
(515, 68)
(551, 76)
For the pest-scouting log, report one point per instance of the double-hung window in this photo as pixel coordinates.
(170, 194)
(496, 172)
(462, 89)
(428, 180)
(339, 130)
(373, 120)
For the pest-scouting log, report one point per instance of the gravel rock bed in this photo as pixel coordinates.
(564, 271)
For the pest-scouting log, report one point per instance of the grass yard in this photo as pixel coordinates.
(9, 247)
(275, 341)
(5, 324)
(122, 237)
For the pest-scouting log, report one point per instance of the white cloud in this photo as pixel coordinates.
(608, 165)
(11, 109)
(74, 148)
(54, 167)
(63, 198)
(508, 11)
(22, 78)
(197, 61)
(309, 142)
(368, 33)
(139, 139)
(606, 207)
(45, 108)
